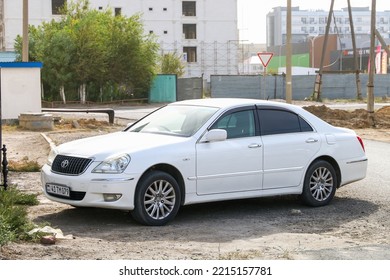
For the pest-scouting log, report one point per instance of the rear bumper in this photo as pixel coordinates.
(353, 170)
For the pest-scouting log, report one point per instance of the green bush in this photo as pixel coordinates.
(14, 222)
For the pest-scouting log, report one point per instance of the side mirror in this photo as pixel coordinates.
(214, 135)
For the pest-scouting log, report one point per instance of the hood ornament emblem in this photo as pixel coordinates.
(64, 163)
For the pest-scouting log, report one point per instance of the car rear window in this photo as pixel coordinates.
(274, 121)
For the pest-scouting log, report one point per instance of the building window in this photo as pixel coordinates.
(303, 20)
(118, 11)
(150, 31)
(100, 8)
(150, 9)
(190, 53)
(165, 32)
(189, 31)
(165, 9)
(56, 6)
(189, 8)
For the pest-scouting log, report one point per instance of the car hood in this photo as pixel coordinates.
(101, 147)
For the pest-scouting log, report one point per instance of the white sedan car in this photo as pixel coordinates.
(206, 150)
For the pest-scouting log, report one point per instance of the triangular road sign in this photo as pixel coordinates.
(265, 57)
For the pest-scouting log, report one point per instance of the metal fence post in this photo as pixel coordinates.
(5, 168)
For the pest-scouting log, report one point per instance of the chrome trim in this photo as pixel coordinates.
(357, 161)
(112, 180)
(225, 175)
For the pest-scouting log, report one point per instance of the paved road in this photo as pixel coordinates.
(135, 113)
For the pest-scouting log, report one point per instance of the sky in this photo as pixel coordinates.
(252, 13)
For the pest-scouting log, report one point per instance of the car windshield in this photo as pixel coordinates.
(180, 120)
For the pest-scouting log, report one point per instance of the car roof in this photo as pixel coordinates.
(234, 102)
(230, 103)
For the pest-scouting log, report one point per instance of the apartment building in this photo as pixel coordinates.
(203, 32)
(308, 24)
(308, 30)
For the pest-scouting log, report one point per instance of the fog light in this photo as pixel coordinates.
(109, 197)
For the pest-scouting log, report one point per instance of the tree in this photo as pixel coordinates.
(171, 63)
(95, 50)
(133, 73)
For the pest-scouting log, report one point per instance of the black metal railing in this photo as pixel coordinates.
(4, 169)
(3, 150)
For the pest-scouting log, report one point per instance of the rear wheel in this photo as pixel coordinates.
(157, 199)
(320, 184)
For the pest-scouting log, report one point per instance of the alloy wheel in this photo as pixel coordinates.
(321, 183)
(159, 199)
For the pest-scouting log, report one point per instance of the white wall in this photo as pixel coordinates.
(216, 22)
(20, 84)
(39, 11)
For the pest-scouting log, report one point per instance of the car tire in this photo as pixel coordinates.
(320, 184)
(157, 199)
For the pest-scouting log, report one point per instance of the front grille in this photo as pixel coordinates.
(70, 165)
(73, 195)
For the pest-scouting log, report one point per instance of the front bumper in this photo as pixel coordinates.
(93, 190)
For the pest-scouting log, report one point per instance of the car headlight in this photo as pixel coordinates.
(52, 155)
(113, 165)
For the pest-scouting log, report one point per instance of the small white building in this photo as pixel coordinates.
(20, 81)
(298, 71)
(204, 32)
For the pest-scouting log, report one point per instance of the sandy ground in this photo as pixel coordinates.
(267, 228)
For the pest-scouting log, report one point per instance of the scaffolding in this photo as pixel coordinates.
(212, 58)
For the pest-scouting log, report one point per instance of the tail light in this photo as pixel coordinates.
(361, 142)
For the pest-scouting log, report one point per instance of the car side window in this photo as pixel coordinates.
(305, 127)
(237, 124)
(279, 121)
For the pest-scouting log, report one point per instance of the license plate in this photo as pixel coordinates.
(58, 190)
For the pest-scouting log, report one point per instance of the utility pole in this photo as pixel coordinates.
(370, 84)
(355, 57)
(318, 81)
(2, 31)
(25, 31)
(288, 55)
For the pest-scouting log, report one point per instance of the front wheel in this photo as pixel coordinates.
(320, 184)
(157, 199)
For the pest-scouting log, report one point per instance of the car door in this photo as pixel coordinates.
(235, 164)
(289, 144)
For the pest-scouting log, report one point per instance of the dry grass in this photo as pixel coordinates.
(25, 165)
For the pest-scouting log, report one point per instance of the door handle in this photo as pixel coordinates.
(254, 145)
(311, 140)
